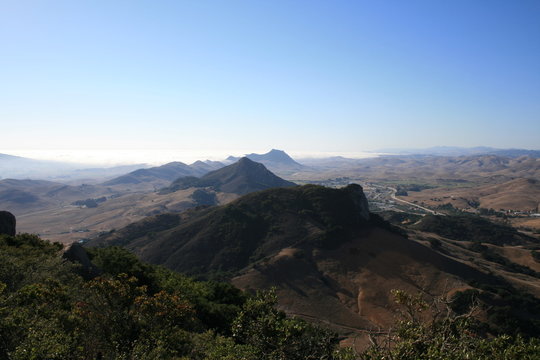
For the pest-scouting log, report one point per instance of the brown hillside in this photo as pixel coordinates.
(481, 169)
(329, 260)
(71, 223)
(349, 287)
(518, 194)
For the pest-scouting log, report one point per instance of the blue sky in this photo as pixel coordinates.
(243, 76)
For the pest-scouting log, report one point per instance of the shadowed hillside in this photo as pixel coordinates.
(167, 172)
(472, 228)
(230, 237)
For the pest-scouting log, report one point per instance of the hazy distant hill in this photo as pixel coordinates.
(4, 157)
(329, 163)
(24, 196)
(274, 157)
(242, 177)
(163, 173)
(203, 167)
(20, 167)
(461, 151)
(517, 153)
(277, 161)
(16, 167)
(425, 168)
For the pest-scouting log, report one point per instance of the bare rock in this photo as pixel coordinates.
(7, 223)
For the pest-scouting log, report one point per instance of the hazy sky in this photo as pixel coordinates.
(246, 76)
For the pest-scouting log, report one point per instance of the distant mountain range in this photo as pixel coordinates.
(160, 176)
(461, 151)
(481, 169)
(519, 194)
(275, 160)
(242, 177)
(17, 167)
(167, 172)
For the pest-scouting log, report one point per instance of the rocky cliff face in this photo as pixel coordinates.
(359, 199)
(7, 223)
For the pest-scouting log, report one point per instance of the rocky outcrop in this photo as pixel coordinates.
(77, 254)
(359, 199)
(7, 223)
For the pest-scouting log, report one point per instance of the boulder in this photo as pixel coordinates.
(77, 254)
(7, 223)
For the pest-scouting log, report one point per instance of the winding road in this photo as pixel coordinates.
(393, 196)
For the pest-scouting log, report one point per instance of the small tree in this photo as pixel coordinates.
(275, 336)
